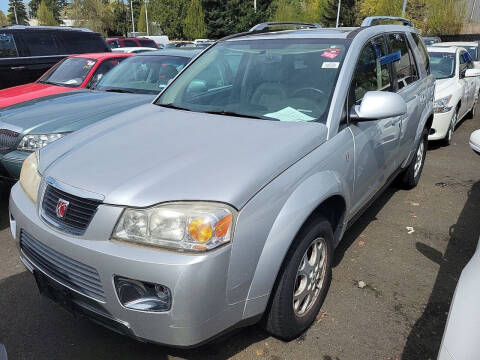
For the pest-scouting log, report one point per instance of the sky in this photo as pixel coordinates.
(4, 6)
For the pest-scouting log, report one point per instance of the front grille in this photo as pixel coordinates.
(78, 215)
(69, 272)
(8, 139)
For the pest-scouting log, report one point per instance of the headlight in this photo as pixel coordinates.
(36, 142)
(441, 105)
(29, 176)
(191, 226)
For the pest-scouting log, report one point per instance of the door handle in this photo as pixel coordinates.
(17, 68)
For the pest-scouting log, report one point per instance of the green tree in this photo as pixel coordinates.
(55, 6)
(444, 17)
(121, 19)
(329, 10)
(17, 7)
(3, 19)
(170, 15)
(194, 24)
(92, 14)
(381, 7)
(45, 15)
(141, 22)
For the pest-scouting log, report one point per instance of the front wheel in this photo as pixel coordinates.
(302, 282)
(451, 129)
(412, 173)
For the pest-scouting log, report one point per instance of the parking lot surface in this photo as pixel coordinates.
(394, 276)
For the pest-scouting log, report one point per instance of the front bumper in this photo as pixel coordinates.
(198, 283)
(441, 124)
(11, 164)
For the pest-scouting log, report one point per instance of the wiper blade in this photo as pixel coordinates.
(232, 113)
(173, 106)
(121, 91)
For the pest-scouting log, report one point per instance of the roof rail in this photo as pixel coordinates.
(25, 27)
(267, 26)
(377, 20)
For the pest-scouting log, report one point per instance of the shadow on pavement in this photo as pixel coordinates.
(426, 335)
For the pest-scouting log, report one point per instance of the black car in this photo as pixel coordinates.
(26, 52)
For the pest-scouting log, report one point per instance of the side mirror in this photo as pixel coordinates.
(472, 73)
(475, 141)
(377, 105)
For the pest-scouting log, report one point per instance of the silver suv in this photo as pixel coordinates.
(222, 202)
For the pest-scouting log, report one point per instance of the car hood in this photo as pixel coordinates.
(150, 155)
(68, 111)
(18, 94)
(444, 87)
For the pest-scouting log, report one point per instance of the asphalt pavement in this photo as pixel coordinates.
(394, 276)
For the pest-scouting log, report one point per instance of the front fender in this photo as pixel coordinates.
(295, 211)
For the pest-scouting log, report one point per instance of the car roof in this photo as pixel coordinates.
(443, 49)
(189, 53)
(457, 43)
(101, 56)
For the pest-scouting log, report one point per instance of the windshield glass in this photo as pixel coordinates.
(143, 74)
(71, 72)
(442, 65)
(277, 79)
(473, 51)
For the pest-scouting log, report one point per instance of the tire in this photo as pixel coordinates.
(289, 315)
(451, 129)
(471, 113)
(410, 177)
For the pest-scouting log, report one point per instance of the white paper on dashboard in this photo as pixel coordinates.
(290, 114)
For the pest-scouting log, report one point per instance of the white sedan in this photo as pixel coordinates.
(471, 46)
(133, 50)
(456, 89)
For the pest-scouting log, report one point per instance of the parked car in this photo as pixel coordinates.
(431, 40)
(180, 44)
(460, 339)
(470, 46)
(27, 52)
(73, 73)
(115, 43)
(204, 44)
(133, 50)
(223, 201)
(161, 40)
(456, 91)
(29, 126)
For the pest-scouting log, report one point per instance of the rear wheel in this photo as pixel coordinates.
(410, 177)
(472, 112)
(451, 129)
(302, 282)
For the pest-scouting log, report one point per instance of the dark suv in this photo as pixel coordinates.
(27, 52)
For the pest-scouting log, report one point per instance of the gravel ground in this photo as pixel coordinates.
(399, 311)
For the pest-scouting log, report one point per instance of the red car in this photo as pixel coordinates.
(73, 73)
(114, 43)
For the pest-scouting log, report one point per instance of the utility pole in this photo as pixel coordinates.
(404, 9)
(15, 12)
(146, 16)
(131, 11)
(338, 12)
(255, 5)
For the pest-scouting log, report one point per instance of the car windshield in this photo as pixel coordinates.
(144, 74)
(71, 72)
(275, 79)
(473, 51)
(442, 64)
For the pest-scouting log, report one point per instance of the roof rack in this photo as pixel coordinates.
(24, 27)
(377, 20)
(267, 26)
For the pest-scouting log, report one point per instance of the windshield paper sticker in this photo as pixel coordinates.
(331, 53)
(330, 65)
(290, 114)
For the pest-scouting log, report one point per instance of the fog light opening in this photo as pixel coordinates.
(142, 296)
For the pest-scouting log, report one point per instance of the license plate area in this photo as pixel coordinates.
(54, 291)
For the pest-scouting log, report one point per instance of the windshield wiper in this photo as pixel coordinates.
(232, 113)
(122, 91)
(172, 106)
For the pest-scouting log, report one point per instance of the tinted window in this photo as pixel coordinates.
(372, 71)
(70, 72)
(114, 44)
(423, 51)
(42, 43)
(129, 43)
(143, 74)
(147, 43)
(102, 69)
(78, 42)
(473, 51)
(442, 64)
(7, 46)
(465, 61)
(404, 68)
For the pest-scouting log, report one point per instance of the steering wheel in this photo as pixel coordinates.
(308, 89)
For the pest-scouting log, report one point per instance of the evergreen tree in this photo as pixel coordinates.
(170, 14)
(121, 19)
(18, 7)
(194, 25)
(141, 22)
(55, 6)
(329, 10)
(45, 15)
(3, 19)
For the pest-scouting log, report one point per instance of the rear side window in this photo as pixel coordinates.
(465, 61)
(78, 42)
(423, 51)
(42, 43)
(102, 69)
(129, 43)
(372, 72)
(147, 43)
(8, 48)
(405, 68)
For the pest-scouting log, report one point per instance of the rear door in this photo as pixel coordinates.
(8, 60)
(468, 83)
